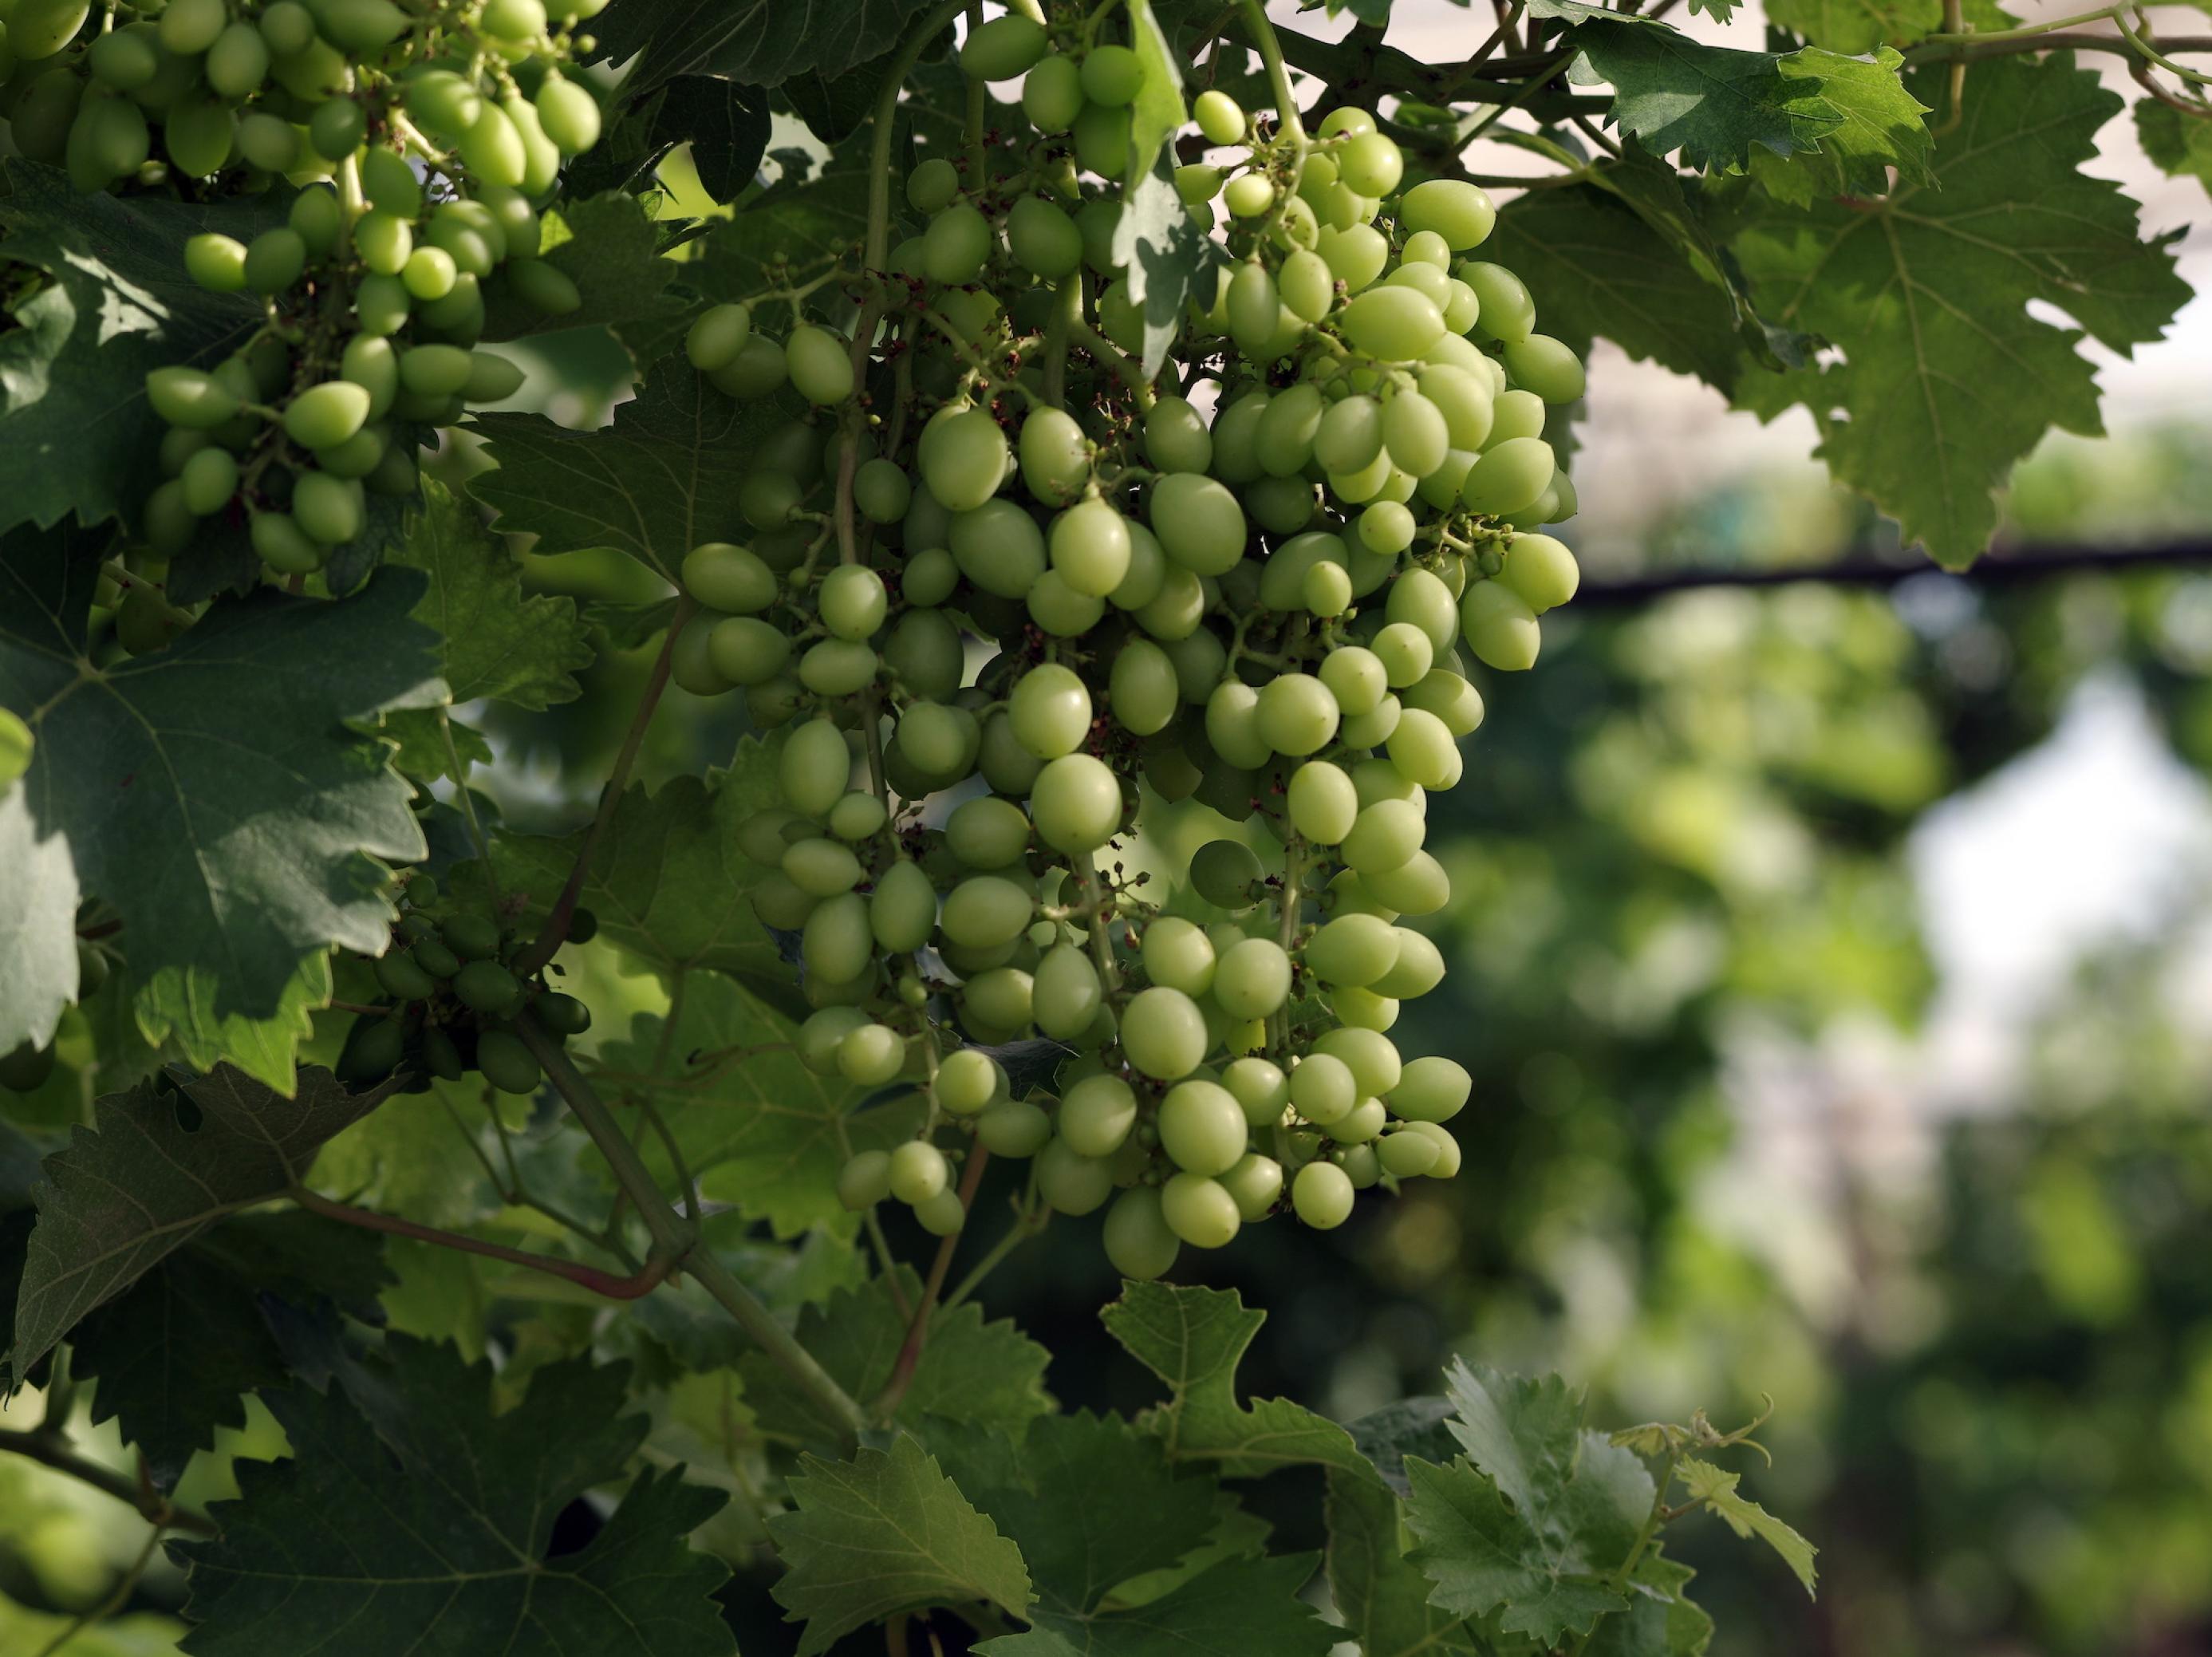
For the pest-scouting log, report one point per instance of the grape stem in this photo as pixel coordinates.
(633, 1286)
(917, 1329)
(556, 930)
(1111, 354)
(49, 1449)
(678, 1240)
(875, 251)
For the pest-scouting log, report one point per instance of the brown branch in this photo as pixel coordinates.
(48, 1450)
(634, 1287)
(1943, 51)
(917, 1331)
(556, 930)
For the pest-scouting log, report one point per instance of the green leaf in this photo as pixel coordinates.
(1857, 25)
(1715, 104)
(210, 790)
(140, 1184)
(758, 1129)
(179, 1017)
(884, 1532)
(37, 926)
(667, 879)
(970, 1372)
(664, 478)
(1879, 126)
(1159, 110)
(1411, 1427)
(1381, 1595)
(1164, 251)
(493, 642)
(1945, 378)
(1661, 1620)
(410, 1517)
(802, 223)
(1238, 1609)
(1091, 1502)
(726, 124)
(608, 247)
(760, 42)
(1192, 1339)
(2178, 144)
(1482, 1555)
(174, 1354)
(1715, 1488)
(75, 428)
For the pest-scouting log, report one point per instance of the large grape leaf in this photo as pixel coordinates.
(803, 224)
(75, 429)
(970, 1371)
(141, 1182)
(410, 1517)
(884, 1532)
(757, 1128)
(1192, 1339)
(1857, 25)
(664, 478)
(210, 790)
(1536, 1514)
(174, 1355)
(1879, 125)
(2178, 145)
(1134, 1515)
(608, 247)
(760, 42)
(1234, 1609)
(492, 641)
(1382, 1595)
(1945, 378)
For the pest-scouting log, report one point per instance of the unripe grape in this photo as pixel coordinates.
(1415, 432)
(865, 1181)
(814, 767)
(1501, 627)
(1199, 1210)
(1406, 652)
(568, 113)
(207, 481)
(1443, 693)
(1000, 1000)
(40, 28)
(1096, 1115)
(820, 867)
(361, 26)
(1052, 95)
(1112, 74)
(1356, 254)
(324, 416)
(1232, 725)
(506, 1063)
(1043, 239)
(1419, 968)
(1176, 436)
(1071, 1181)
(1255, 308)
(988, 833)
(984, 911)
(835, 667)
(329, 509)
(728, 578)
(1249, 195)
(1067, 994)
(902, 909)
(1138, 1242)
(956, 246)
(1202, 1128)
(282, 546)
(186, 397)
(1252, 979)
(931, 185)
(274, 260)
(1297, 714)
(216, 262)
(918, 1172)
(1198, 522)
(1013, 1127)
(1142, 690)
(1420, 887)
(968, 1080)
(1219, 117)
(717, 336)
(492, 147)
(1226, 872)
(1507, 313)
(1163, 1033)
(1178, 954)
(1076, 803)
(757, 368)
(1321, 1194)
(1395, 323)
(124, 58)
(963, 457)
(1002, 48)
(1089, 546)
(1051, 710)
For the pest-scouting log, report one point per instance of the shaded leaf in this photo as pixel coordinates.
(1163, 252)
(2177, 145)
(760, 42)
(1237, 1609)
(1879, 126)
(1411, 1427)
(1381, 1595)
(608, 246)
(1715, 104)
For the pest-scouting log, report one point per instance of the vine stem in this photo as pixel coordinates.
(876, 251)
(1952, 33)
(48, 1450)
(556, 930)
(634, 1287)
(1652, 1520)
(917, 1331)
(678, 1239)
(1278, 75)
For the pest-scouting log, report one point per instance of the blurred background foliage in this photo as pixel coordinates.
(1833, 965)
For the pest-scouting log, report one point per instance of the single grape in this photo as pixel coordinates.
(1139, 1243)
(1199, 1210)
(918, 1172)
(1253, 979)
(1226, 872)
(1321, 1194)
(1163, 1033)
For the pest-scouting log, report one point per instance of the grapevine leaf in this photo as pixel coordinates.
(411, 1517)
(1163, 252)
(607, 247)
(667, 879)
(1134, 1514)
(1381, 1595)
(760, 42)
(804, 225)
(1879, 125)
(1481, 1556)
(140, 1183)
(757, 1128)
(75, 425)
(493, 642)
(174, 1354)
(1158, 110)
(836, 107)
(1192, 1339)
(1411, 1427)
(177, 1016)
(38, 924)
(1945, 378)
(1661, 1620)
(209, 790)
(1857, 25)
(2179, 145)
(664, 478)
(1232, 1610)
(1715, 1488)
(970, 1372)
(884, 1532)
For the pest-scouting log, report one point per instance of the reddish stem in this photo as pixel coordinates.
(634, 1286)
(917, 1331)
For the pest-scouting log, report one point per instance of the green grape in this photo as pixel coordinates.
(1255, 309)
(837, 943)
(1296, 715)
(1076, 803)
(1541, 364)
(1421, 748)
(814, 767)
(1219, 117)
(963, 457)
(434, 370)
(902, 909)
(918, 1172)
(1175, 437)
(337, 128)
(1357, 677)
(968, 1080)
(44, 111)
(1201, 1126)
(1394, 324)
(1354, 951)
(820, 867)
(1287, 429)
(1415, 434)
(728, 578)
(1232, 725)
(717, 336)
(1431, 1089)
(1051, 710)
(1419, 968)
(1163, 1033)
(1261, 1089)
(985, 910)
(200, 136)
(1371, 164)
(1052, 95)
(1366, 1118)
(1197, 184)
(1226, 872)
(428, 272)
(1507, 313)
(324, 416)
(329, 509)
(1356, 254)
(1089, 546)
(1068, 1180)
(823, 1033)
(923, 649)
(207, 481)
(381, 304)
(858, 817)
(1425, 278)
(109, 139)
(757, 369)
(956, 246)
(568, 114)
(1043, 239)
(865, 1181)
(1068, 992)
(216, 262)
(1199, 1210)
(492, 147)
(1002, 48)
(852, 601)
(488, 987)
(282, 544)
(1350, 434)
(1254, 1185)
(837, 668)
(1321, 801)
(1178, 954)
(1420, 598)
(1516, 414)
(1138, 1244)
(126, 58)
(1252, 979)
(1198, 522)
(1387, 527)
(872, 1055)
(1055, 457)
(361, 26)
(1464, 401)
(1418, 886)
(1500, 626)
(1321, 1195)
(1406, 652)
(1014, 1128)
(1142, 688)
(1096, 1116)
(563, 1014)
(820, 365)
(1112, 74)
(40, 28)
(1450, 699)
(1306, 285)
(403, 979)
(940, 741)
(506, 1064)
(1249, 195)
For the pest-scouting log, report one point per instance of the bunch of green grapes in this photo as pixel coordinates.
(410, 150)
(453, 981)
(994, 578)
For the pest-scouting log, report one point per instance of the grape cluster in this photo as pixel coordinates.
(453, 981)
(408, 150)
(1262, 610)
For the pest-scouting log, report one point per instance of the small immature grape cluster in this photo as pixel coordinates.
(403, 154)
(1249, 587)
(452, 982)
